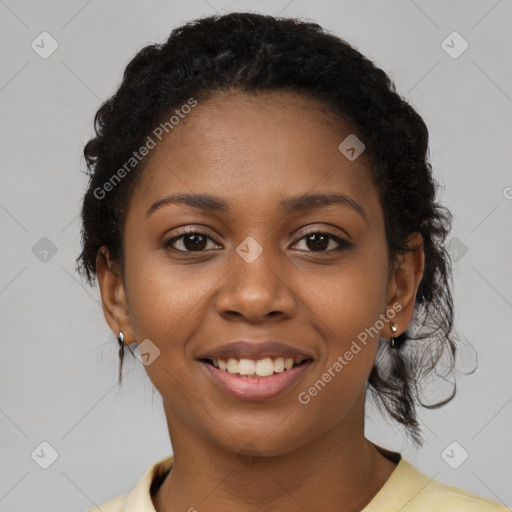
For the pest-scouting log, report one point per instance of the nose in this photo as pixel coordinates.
(255, 291)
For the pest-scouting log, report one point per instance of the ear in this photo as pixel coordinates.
(113, 296)
(403, 285)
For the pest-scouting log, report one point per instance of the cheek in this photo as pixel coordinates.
(354, 294)
(166, 307)
(348, 307)
(350, 351)
(165, 300)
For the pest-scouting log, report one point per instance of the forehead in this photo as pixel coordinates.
(255, 150)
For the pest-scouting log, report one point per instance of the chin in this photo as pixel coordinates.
(269, 442)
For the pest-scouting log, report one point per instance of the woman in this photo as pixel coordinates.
(262, 221)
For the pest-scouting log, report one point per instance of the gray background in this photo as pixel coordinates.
(58, 368)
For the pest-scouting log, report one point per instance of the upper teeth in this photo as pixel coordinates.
(260, 367)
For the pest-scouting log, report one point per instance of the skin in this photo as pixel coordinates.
(253, 151)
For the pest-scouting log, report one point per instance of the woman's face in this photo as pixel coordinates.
(256, 274)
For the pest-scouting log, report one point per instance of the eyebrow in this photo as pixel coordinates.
(294, 204)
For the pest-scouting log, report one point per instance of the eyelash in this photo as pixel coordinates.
(343, 244)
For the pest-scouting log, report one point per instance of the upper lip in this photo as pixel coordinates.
(256, 350)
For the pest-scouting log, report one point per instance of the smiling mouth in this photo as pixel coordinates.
(256, 368)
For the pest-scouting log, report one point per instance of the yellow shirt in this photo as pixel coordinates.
(406, 490)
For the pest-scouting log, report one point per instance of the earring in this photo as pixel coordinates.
(120, 339)
(394, 328)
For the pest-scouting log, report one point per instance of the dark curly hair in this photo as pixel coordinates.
(252, 53)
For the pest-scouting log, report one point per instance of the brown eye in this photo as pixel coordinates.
(192, 241)
(317, 241)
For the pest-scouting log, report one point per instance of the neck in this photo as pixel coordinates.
(340, 470)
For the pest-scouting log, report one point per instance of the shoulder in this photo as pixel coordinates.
(431, 495)
(139, 498)
(441, 496)
(409, 490)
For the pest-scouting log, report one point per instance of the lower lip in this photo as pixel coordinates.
(254, 388)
